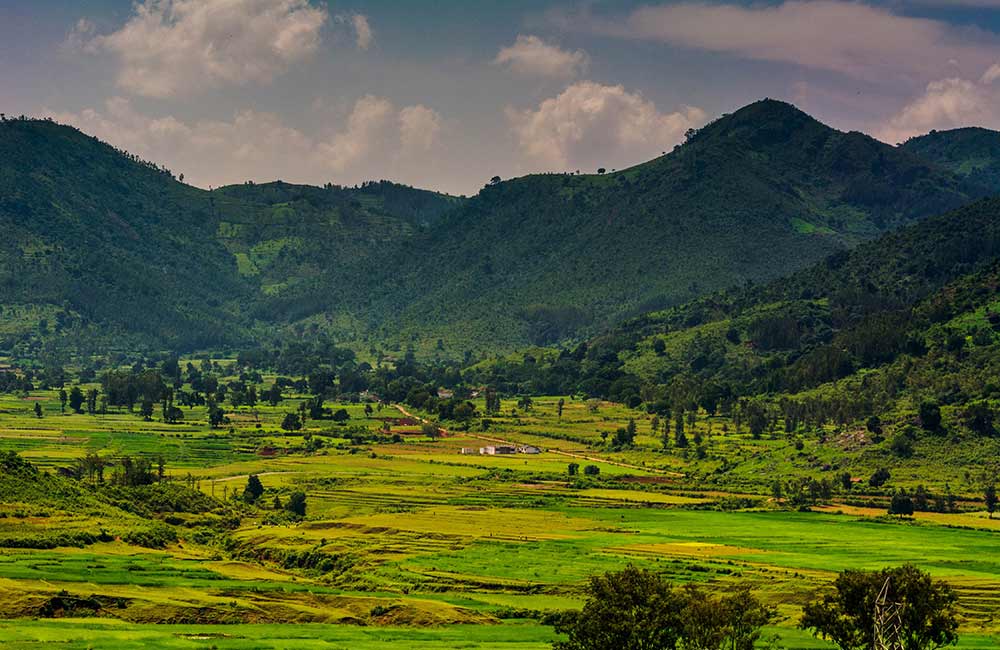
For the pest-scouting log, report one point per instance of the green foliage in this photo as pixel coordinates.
(253, 490)
(635, 609)
(846, 616)
(969, 152)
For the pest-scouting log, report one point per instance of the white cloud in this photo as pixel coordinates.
(363, 31)
(169, 47)
(531, 55)
(359, 27)
(419, 127)
(851, 38)
(376, 141)
(991, 74)
(590, 125)
(80, 37)
(947, 104)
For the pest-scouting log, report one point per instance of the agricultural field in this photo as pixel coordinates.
(409, 543)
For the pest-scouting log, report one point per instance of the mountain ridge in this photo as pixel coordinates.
(538, 259)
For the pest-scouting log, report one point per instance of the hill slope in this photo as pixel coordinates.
(104, 248)
(910, 317)
(93, 235)
(973, 153)
(101, 240)
(753, 196)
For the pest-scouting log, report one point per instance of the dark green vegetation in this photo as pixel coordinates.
(108, 249)
(926, 618)
(901, 336)
(634, 609)
(566, 254)
(972, 153)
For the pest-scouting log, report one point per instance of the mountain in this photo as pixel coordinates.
(102, 248)
(911, 316)
(93, 236)
(973, 153)
(111, 250)
(752, 196)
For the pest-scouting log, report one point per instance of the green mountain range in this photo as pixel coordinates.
(108, 250)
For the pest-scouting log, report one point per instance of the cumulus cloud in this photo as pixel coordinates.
(169, 47)
(363, 31)
(359, 27)
(376, 140)
(590, 125)
(419, 127)
(947, 104)
(531, 55)
(851, 38)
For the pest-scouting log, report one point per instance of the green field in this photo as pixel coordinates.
(409, 543)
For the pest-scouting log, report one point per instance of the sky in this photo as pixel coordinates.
(445, 94)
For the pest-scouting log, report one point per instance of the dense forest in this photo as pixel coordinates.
(110, 251)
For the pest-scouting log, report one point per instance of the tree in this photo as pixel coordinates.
(879, 478)
(38, 410)
(296, 504)
(990, 498)
(525, 402)
(756, 418)
(559, 407)
(731, 621)
(146, 409)
(979, 417)
(901, 505)
(601, 170)
(927, 616)
(631, 609)
(216, 416)
(495, 180)
(659, 347)
(172, 414)
(92, 401)
(292, 422)
(341, 416)
(573, 469)
(591, 470)
(62, 400)
(930, 416)
(253, 490)
(76, 399)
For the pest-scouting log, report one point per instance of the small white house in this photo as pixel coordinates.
(497, 450)
(528, 449)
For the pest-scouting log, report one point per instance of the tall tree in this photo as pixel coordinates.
(846, 616)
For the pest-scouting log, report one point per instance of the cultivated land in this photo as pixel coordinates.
(409, 544)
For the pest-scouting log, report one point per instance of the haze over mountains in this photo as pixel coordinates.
(102, 243)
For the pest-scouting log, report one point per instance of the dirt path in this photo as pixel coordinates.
(593, 459)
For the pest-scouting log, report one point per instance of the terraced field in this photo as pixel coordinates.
(427, 547)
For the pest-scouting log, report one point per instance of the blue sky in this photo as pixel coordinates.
(447, 94)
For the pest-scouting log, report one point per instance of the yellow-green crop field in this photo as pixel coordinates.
(409, 543)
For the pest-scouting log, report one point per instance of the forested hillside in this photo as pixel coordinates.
(972, 153)
(753, 196)
(910, 319)
(108, 250)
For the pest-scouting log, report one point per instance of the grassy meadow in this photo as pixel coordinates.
(408, 543)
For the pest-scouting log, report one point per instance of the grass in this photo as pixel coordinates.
(444, 541)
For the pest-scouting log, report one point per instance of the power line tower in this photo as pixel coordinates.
(888, 623)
